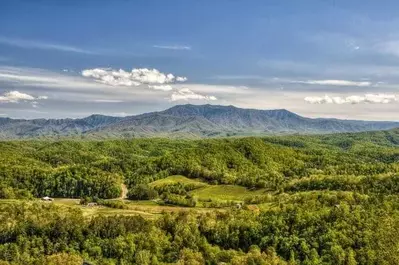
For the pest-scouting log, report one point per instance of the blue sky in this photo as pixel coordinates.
(320, 58)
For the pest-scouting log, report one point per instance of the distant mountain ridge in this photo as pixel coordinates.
(186, 121)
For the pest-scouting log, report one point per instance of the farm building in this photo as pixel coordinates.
(47, 199)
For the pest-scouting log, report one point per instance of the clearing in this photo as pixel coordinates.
(225, 192)
(177, 179)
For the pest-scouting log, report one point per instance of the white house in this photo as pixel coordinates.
(47, 199)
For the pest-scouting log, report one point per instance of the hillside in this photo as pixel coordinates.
(297, 199)
(186, 121)
(98, 168)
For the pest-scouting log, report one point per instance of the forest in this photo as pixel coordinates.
(319, 199)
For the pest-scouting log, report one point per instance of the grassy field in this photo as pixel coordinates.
(147, 209)
(206, 191)
(224, 192)
(177, 179)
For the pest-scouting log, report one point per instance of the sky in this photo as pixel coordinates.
(317, 58)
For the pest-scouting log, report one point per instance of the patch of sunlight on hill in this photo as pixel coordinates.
(176, 179)
(224, 192)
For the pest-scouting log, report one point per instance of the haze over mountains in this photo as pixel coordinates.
(186, 121)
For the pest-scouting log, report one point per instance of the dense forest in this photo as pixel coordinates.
(98, 168)
(328, 199)
(331, 228)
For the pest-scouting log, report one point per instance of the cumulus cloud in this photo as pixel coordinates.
(138, 76)
(181, 79)
(335, 82)
(77, 88)
(16, 97)
(187, 94)
(172, 47)
(367, 98)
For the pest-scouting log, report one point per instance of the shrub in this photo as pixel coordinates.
(142, 192)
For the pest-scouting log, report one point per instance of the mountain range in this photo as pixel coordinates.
(185, 121)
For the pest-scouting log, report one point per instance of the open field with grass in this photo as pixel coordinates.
(224, 192)
(147, 209)
(204, 191)
(177, 179)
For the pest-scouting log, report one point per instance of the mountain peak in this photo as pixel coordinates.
(188, 119)
(100, 120)
(214, 107)
(210, 110)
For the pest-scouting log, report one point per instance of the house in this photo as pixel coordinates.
(47, 199)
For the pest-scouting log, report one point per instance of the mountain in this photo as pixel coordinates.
(19, 128)
(185, 121)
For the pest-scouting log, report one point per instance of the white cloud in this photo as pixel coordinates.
(239, 77)
(137, 76)
(16, 96)
(352, 44)
(32, 44)
(187, 94)
(121, 114)
(172, 47)
(73, 88)
(73, 95)
(181, 79)
(335, 83)
(110, 77)
(216, 89)
(280, 80)
(106, 100)
(367, 98)
(33, 77)
(162, 87)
